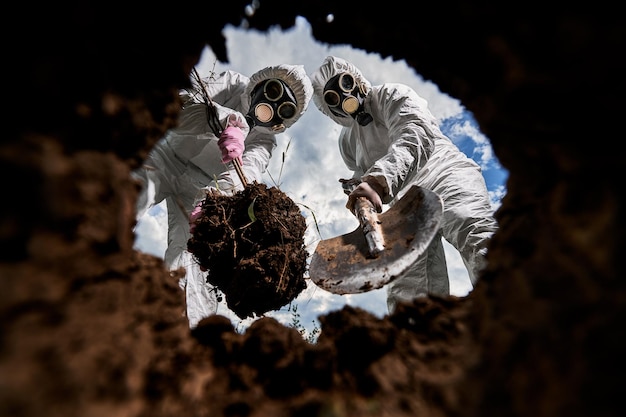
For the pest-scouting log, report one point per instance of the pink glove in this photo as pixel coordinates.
(231, 143)
(365, 190)
(195, 215)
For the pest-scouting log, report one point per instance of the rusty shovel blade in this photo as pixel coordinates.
(343, 264)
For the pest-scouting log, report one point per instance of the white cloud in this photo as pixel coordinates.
(151, 231)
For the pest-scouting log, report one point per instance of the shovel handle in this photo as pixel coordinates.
(368, 218)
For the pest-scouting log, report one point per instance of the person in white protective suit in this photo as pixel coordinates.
(390, 141)
(192, 160)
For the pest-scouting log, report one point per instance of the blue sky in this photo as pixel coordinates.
(306, 164)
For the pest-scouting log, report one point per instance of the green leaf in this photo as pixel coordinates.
(251, 211)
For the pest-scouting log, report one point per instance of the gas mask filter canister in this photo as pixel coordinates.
(345, 97)
(272, 103)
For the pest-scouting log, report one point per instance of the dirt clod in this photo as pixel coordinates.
(252, 246)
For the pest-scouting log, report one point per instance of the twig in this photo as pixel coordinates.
(214, 123)
(240, 173)
(212, 117)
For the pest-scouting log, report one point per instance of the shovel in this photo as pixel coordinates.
(381, 248)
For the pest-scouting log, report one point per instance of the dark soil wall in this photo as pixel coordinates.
(88, 327)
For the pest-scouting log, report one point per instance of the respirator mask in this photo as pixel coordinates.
(345, 97)
(272, 102)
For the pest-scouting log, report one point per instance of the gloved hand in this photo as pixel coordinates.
(195, 215)
(231, 143)
(197, 210)
(366, 190)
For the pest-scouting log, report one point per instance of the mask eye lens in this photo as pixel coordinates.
(264, 112)
(346, 82)
(287, 110)
(331, 98)
(273, 90)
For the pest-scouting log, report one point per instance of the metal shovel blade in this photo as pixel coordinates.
(343, 264)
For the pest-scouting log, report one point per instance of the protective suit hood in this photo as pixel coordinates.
(294, 76)
(331, 67)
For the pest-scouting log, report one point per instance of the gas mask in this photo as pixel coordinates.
(272, 102)
(345, 97)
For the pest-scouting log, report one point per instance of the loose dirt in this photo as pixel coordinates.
(252, 246)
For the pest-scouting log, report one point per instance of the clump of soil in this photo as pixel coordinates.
(252, 246)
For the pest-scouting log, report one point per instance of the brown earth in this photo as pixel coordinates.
(252, 246)
(90, 327)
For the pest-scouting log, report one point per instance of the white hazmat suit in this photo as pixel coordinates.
(397, 143)
(187, 162)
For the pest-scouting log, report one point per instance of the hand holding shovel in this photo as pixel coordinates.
(365, 203)
(345, 264)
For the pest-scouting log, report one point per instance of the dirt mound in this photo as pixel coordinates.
(252, 246)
